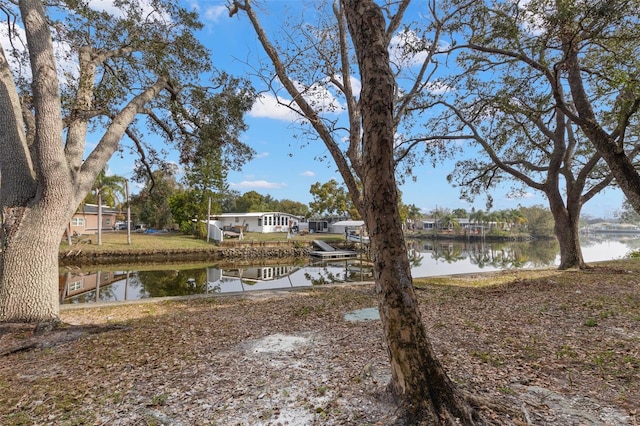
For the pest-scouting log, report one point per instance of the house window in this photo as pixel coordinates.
(75, 286)
(259, 221)
(77, 221)
(237, 219)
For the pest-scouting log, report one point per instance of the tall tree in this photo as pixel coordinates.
(540, 223)
(293, 207)
(152, 206)
(530, 135)
(330, 198)
(142, 60)
(599, 44)
(586, 49)
(251, 201)
(424, 391)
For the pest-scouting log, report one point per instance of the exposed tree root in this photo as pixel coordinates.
(486, 404)
(26, 337)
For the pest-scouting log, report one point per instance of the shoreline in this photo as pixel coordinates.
(237, 250)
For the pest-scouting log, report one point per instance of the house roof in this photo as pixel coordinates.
(251, 214)
(93, 209)
(349, 223)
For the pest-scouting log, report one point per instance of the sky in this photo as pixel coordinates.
(285, 168)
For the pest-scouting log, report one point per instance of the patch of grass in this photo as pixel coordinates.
(159, 400)
(603, 360)
(303, 311)
(472, 325)
(607, 313)
(506, 390)
(487, 358)
(591, 322)
(566, 351)
(117, 241)
(18, 419)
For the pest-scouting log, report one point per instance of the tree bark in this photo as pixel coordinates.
(29, 272)
(567, 231)
(425, 392)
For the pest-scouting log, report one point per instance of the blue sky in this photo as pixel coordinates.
(283, 167)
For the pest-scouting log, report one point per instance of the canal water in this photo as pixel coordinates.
(428, 258)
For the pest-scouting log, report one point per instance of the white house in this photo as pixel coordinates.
(262, 222)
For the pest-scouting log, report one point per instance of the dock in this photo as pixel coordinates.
(327, 252)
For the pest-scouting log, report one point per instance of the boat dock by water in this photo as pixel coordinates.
(327, 252)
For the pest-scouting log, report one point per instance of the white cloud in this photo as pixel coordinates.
(262, 155)
(267, 106)
(317, 95)
(308, 173)
(320, 98)
(532, 17)
(407, 49)
(438, 87)
(519, 193)
(257, 184)
(356, 86)
(144, 6)
(105, 6)
(214, 13)
(66, 59)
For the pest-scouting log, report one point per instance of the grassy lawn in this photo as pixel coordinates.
(117, 241)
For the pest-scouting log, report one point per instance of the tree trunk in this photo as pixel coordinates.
(419, 381)
(29, 272)
(567, 230)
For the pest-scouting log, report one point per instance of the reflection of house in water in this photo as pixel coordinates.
(74, 284)
(251, 278)
(260, 273)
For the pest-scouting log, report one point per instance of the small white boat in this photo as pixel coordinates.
(357, 238)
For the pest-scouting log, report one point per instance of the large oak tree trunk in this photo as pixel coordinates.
(568, 234)
(29, 275)
(567, 229)
(419, 381)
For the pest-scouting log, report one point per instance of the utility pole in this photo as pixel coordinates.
(208, 218)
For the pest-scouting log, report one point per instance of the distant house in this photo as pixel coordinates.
(347, 226)
(262, 222)
(324, 224)
(85, 220)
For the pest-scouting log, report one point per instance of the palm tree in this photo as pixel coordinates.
(478, 217)
(518, 219)
(413, 215)
(107, 188)
(450, 222)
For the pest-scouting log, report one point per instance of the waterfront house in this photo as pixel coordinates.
(262, 222)
(85, 220)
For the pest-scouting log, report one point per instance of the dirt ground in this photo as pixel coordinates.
(556, 348)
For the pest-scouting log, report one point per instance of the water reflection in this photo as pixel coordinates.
(428, 258)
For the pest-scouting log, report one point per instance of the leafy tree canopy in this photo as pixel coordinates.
(331, 199)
